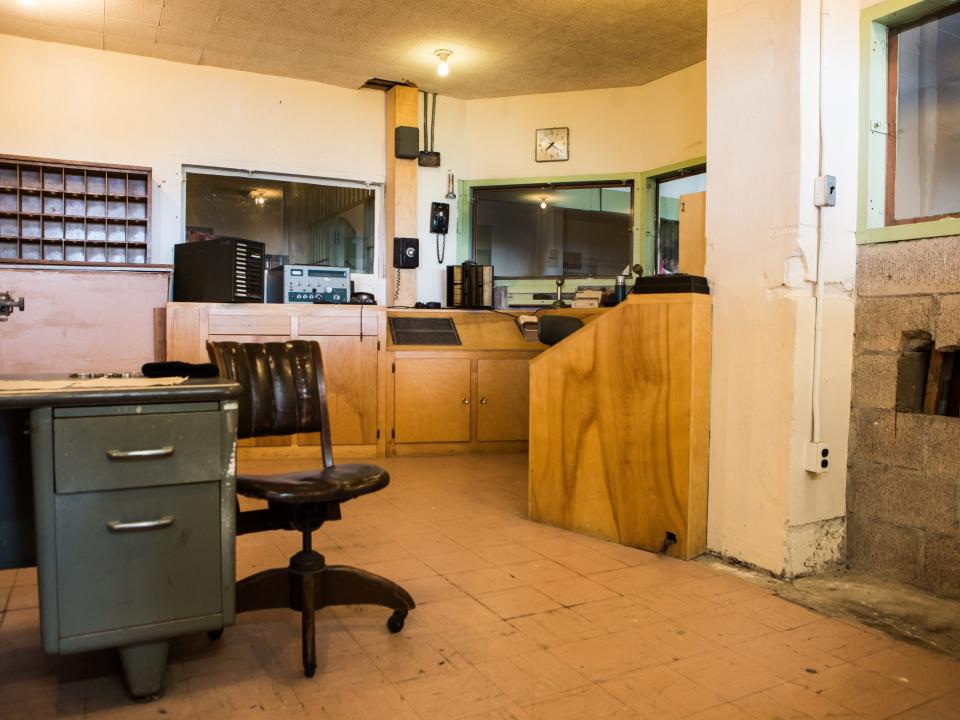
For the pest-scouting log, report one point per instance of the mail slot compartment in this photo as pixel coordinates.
(127, 558)
(127, 451)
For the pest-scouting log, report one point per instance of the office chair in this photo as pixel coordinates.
(284, 393)
(551, 329)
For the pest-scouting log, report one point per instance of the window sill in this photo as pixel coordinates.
(911, 231)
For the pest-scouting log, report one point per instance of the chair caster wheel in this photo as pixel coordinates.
(215, 634)
(309, 670)
(395, 622)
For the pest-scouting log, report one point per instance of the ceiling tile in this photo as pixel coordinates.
(145, 11)
(129, 29)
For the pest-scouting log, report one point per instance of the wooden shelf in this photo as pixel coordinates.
(67, 212)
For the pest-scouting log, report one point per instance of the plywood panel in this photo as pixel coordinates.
(432, 400)
(618, 432)
(248, 324)
(693, 239)
(80, 321)
(503, 388)
(350, 371)
(343, 325)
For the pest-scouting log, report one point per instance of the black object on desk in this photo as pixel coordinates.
(680, 283)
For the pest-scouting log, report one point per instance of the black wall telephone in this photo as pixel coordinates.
(439, 218)
(406, 253)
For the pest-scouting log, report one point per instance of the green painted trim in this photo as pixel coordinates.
(647, 208)
(875, 23)
(644, 205)
(911, 231)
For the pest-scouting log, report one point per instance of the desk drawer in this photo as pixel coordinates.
(127, 451)
(127, 577)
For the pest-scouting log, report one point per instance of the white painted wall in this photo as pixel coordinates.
(82, 104)
(619, 130)
(763, 135)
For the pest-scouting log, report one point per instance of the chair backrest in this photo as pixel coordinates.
(283, 388)
(551, 329)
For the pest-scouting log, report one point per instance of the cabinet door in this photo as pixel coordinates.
(350, 372)
(432, 400)
(503, 392)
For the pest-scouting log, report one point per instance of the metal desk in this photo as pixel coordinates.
(125, 501)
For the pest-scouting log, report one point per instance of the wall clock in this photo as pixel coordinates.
(552, 144)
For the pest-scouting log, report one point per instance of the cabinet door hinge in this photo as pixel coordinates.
(393, 434)
(378, 344)
(393, 367)
(378, 433)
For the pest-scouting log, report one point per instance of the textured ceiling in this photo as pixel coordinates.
(500, 47)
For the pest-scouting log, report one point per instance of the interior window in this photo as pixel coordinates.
(545, 231)
(923, 179)
(300, 222)
(669, 190)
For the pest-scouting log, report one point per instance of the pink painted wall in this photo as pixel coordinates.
(77, 321)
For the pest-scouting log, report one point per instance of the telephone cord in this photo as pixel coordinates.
(441, 247)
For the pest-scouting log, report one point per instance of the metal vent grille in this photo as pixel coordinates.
(423, 331)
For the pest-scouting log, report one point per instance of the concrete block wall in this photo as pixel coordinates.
(903, 489)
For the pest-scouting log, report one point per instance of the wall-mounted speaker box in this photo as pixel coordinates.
(406, 142)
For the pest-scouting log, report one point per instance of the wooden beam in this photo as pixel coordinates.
(693, 239)
(401, 194)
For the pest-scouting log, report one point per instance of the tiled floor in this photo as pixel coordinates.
(515, 620)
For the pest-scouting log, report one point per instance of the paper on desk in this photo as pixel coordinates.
(124, 383)
(26, 385)
(87, 384)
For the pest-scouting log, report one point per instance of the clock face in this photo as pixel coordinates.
(553, 144)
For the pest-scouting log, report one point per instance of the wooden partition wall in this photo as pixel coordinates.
(619, 425)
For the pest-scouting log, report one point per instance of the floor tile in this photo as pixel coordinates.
(660, 692)
(533, 676)
(588, 702)
(518, 601)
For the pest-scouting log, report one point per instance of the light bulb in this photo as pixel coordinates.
(442, 67)
(543, 204)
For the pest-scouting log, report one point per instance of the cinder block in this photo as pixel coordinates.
(881, 322)
(941, 453)
(875, 381)
(941, 565)
(876, 547)
(884, 437)
(902, 497)
(911, 267)
(947, 327)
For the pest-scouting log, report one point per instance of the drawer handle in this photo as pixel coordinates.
(165, 451)
(119, 526)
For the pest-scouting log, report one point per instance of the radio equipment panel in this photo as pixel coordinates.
(308, 284)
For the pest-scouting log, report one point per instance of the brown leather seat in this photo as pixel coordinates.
(284, 393)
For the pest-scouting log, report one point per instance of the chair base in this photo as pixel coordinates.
(309, 584)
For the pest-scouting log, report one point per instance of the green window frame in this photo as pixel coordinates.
(644, 206)
(876, 22)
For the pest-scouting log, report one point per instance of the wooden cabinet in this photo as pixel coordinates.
(503, 392)
(432, 400)
(350, 339)
(458, 401)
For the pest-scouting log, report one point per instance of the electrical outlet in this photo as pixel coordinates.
(818, 458)
(825, 191)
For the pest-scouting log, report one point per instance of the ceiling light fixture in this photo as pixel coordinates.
(260, 200)
(443, 68)
(543, 203)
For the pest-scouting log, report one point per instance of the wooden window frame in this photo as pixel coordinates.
(893, 76)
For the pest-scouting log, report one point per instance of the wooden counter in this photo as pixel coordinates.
(619, 425)
(384, 398)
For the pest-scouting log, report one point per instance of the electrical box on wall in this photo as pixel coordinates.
(818, 458)
(825, 191)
